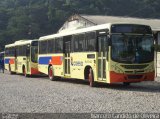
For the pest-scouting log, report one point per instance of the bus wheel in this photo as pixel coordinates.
(51, 74)
(24, 72)
(126, 83)
(10, 69)
(91, 78)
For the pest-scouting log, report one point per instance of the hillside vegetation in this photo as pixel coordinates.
(30, 19)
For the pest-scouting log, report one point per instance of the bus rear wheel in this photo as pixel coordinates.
(24, 72)
(10, 69)
(91, 78)
(51, 74)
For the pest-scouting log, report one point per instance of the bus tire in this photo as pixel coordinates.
(91, 78)
(126, 83)
(51, 73)
(10, 69)
(24, 72)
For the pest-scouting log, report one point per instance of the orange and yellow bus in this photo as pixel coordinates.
(22, 57)
(107, 53)
(9, 58)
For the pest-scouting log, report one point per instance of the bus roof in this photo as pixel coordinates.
(92, 28)
(9, 45)
(23, 42)
(97, 27)
(20, 42)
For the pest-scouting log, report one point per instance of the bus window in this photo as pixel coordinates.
(10, 51)
(51, 46)
(21, 50)
(59, 45)
(90, 41)
(78, 42)
(43, 47)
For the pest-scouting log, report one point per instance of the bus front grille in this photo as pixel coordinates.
(135, 76)
(134, 66)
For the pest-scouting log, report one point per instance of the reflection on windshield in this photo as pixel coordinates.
(132, 48)
(34, 54)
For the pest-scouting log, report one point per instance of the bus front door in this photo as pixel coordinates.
(16, 60)
(67, 57)
(102, 57)
(27, 58)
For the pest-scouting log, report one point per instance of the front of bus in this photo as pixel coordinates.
(132, 53)
(34, 57)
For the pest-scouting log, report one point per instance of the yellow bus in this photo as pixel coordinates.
(22, 57)
(107, 53)
(9, 58)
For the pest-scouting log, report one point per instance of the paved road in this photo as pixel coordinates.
(38, 94)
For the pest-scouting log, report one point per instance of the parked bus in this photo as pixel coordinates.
(108, 53)
(22, 57)
(9, 58)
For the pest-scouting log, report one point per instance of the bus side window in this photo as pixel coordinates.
(59, 45)
(43, 47)
(78, 41)
(90, 44)
(51, 46)
(81, 42)
(75, 41)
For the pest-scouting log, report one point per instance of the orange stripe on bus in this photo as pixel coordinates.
(11, 61)
(56, 60)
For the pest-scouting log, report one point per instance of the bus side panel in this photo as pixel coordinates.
(21, 61)
(33, 68)
(43, 62)
(79, 62)
(6, 63)
(58, 65)
(9, 63)
(55, 60)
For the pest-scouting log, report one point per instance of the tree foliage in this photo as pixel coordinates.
(30, 19)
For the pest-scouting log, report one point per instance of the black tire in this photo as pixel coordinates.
(91, 78)
(126, 83)
(51, 73)
(10, 70)
(24, 72)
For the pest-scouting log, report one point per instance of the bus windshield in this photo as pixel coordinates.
(132, 48)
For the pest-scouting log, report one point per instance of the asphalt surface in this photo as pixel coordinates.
(40, 95)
